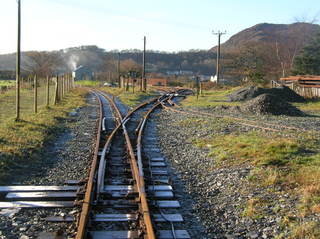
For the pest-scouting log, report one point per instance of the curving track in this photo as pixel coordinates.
(128, 195)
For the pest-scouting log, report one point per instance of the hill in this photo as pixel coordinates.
(297, 34)
(264, 50)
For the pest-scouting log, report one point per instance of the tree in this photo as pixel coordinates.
(130, 65)
(308, 61)
(43, 63)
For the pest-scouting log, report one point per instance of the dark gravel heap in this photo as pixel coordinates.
(270, 104)
(251, 92)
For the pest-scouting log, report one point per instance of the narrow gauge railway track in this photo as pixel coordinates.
(238, 120)
(127, 195)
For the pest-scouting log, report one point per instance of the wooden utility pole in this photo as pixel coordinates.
(143, 78)
(218, 33)
(18, 63)
(118, 69)
(35, 86)
(198, 86)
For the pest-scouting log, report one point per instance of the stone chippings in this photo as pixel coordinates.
(219, 194)
(250, 92)
(67, 158)
(270, 104)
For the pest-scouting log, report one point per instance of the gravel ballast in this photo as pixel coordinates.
(221, 194)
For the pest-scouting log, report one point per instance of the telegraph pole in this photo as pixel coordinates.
(218, 33)
(18, 62)
(143, 79)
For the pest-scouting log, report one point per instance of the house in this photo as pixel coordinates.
(157, 82)
(82, 73)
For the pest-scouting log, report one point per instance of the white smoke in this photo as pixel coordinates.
(73, 62)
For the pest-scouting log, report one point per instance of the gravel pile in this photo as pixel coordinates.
(67, 158)
(282, 92)
(270, 104)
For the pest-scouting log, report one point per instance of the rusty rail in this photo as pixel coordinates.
(139, 179)
(86, 204)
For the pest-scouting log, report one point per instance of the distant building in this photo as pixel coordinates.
(157, 82)
(179, 72)
(214, 79)
(204, 78)
(82, 73)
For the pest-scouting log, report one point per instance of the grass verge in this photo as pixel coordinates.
(278, 161)
(209, 98)
(7, 83)
(21, 143)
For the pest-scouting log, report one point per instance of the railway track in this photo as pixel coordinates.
(238, 120)
(128, 195)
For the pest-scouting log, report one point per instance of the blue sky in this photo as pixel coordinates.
(121, 24)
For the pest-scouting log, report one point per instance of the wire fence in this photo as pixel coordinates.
(35, 94)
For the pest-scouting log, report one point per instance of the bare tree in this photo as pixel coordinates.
(307, 19)
(43, 63)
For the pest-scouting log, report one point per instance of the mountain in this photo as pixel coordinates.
(297, 33)
(268, 48)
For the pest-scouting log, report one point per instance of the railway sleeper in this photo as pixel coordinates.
(46, 196)
(120, 204)
(161, 234)
(133, 217)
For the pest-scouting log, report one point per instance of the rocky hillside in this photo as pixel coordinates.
(265, 33)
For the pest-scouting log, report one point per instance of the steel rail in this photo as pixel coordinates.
(86, 204)
(198, 114)
(139, 179)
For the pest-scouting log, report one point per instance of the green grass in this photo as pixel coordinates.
(209, 98)
(128, 97)
(88, 83)
(7, 83)
(289, 162)
(8, 101)
(251, 147)
(312, 106)
(22, 142)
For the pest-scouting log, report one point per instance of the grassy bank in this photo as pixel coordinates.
(214, 97)
(22, 142)
(7, 83)
(281, 164)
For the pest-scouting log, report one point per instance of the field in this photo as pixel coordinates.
(21, 142)
(8, 100)
(7, 83)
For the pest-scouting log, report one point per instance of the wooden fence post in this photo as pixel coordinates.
(56, 95)
(35, 86)
(47, 95)
(62, 87)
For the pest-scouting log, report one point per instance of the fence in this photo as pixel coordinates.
(35, 93)
(309, 92)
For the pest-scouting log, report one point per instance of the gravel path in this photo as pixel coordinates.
(67, 158)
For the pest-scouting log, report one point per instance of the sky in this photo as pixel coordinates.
(169, 25)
